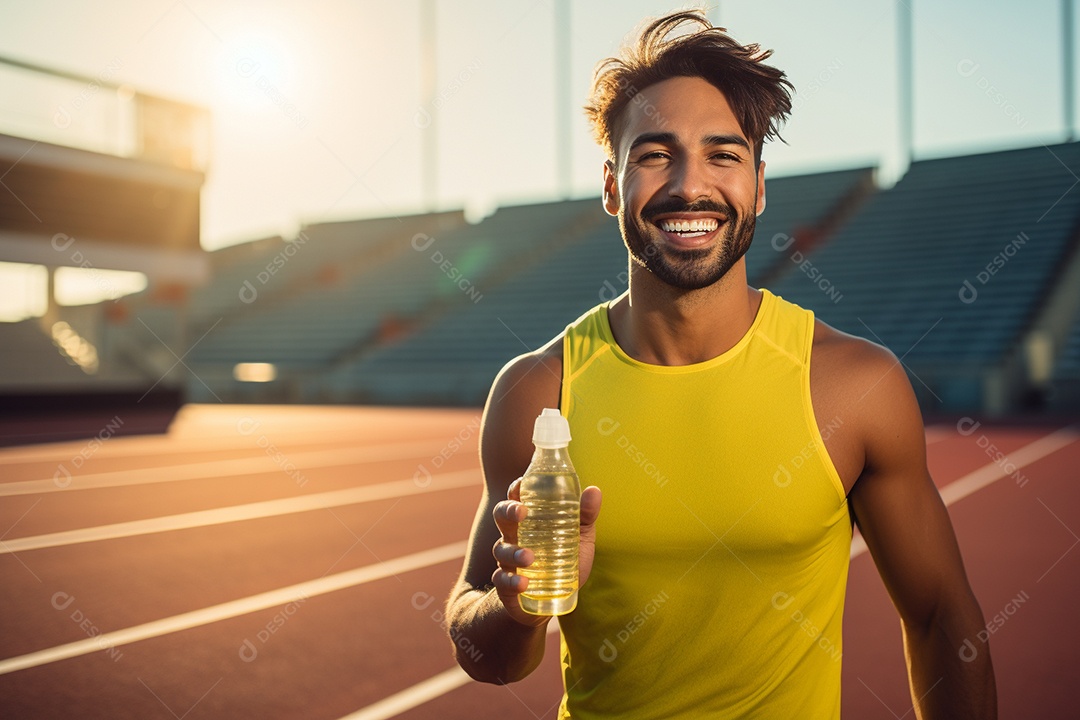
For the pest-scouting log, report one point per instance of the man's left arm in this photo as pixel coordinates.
(908, 532)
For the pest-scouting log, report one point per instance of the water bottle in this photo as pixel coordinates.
(552, 529)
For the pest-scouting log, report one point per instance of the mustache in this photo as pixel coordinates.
(677, 205)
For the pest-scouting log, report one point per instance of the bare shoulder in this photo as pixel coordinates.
(865, 386)
(851, 359)
(525, 386)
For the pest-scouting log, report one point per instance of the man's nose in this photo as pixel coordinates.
(690, 181)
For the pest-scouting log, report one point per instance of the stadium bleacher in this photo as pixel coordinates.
(949, 269)
(800, 209)
(456, 358)
(376, 290)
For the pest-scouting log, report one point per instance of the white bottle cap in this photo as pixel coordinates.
(551, 430)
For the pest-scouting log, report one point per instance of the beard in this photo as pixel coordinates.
(687, 269)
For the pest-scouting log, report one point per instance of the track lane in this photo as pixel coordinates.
(328, 670)
(130, 581)
(1007, 540)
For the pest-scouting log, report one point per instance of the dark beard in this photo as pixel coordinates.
(687, 269)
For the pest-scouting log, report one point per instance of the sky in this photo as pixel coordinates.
(317, 110)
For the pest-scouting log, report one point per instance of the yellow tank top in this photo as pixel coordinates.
(723, 543)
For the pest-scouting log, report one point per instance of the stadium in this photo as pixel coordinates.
(240, 465)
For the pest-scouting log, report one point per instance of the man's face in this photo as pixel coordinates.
(685, 186)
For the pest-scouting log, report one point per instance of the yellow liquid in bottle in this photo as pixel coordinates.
(552, 531)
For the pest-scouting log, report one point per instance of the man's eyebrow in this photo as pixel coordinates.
(655, 137)
(726, 140)
(666, 138)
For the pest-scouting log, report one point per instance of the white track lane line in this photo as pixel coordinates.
(131, 446)
(239, 513)
(236, 608)
(987, 474)
(255, 465)
(444, 682)
(420, 693)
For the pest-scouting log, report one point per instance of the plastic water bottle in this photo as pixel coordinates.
(552, 530)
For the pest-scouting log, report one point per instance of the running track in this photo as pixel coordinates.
(291, 562)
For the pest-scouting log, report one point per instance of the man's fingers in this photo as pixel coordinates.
(590, 505)
(509, 585)
(514, 491)
(508, 514)
(511, 557)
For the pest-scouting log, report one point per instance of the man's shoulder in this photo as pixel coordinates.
(535, 374)
(866, 381)
(838, 352)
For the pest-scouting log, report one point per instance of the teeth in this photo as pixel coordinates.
(706, 225)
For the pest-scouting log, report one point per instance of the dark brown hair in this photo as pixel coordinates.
(759, 94)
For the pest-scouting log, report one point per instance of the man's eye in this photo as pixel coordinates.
(653, 157)
(726, 157)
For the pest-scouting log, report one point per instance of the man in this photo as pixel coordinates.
(735, 437)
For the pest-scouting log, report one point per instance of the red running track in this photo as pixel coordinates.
(291, 562)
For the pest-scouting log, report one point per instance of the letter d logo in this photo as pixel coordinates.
(782, 477)
(608, 652)
(62, 600)
(606, 426)
(62, 477)
(248, 651)
(248, 293)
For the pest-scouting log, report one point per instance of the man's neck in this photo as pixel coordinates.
(661, 325)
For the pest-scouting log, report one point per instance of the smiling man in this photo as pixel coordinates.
(713, 581)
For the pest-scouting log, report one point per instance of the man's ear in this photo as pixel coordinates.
(760, 188)
(612, 201)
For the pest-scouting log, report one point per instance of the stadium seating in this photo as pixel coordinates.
(427, 263)
(948, 267)
(456, 358)
(798, 206)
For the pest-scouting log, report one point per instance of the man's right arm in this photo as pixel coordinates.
(506, 644)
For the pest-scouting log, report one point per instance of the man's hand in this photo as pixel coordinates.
(508, 515)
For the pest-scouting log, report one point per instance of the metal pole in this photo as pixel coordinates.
(907, 71)
(563, 102)
(1067, 75)
(426, 116)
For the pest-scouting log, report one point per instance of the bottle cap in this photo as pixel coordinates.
(551, 430)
